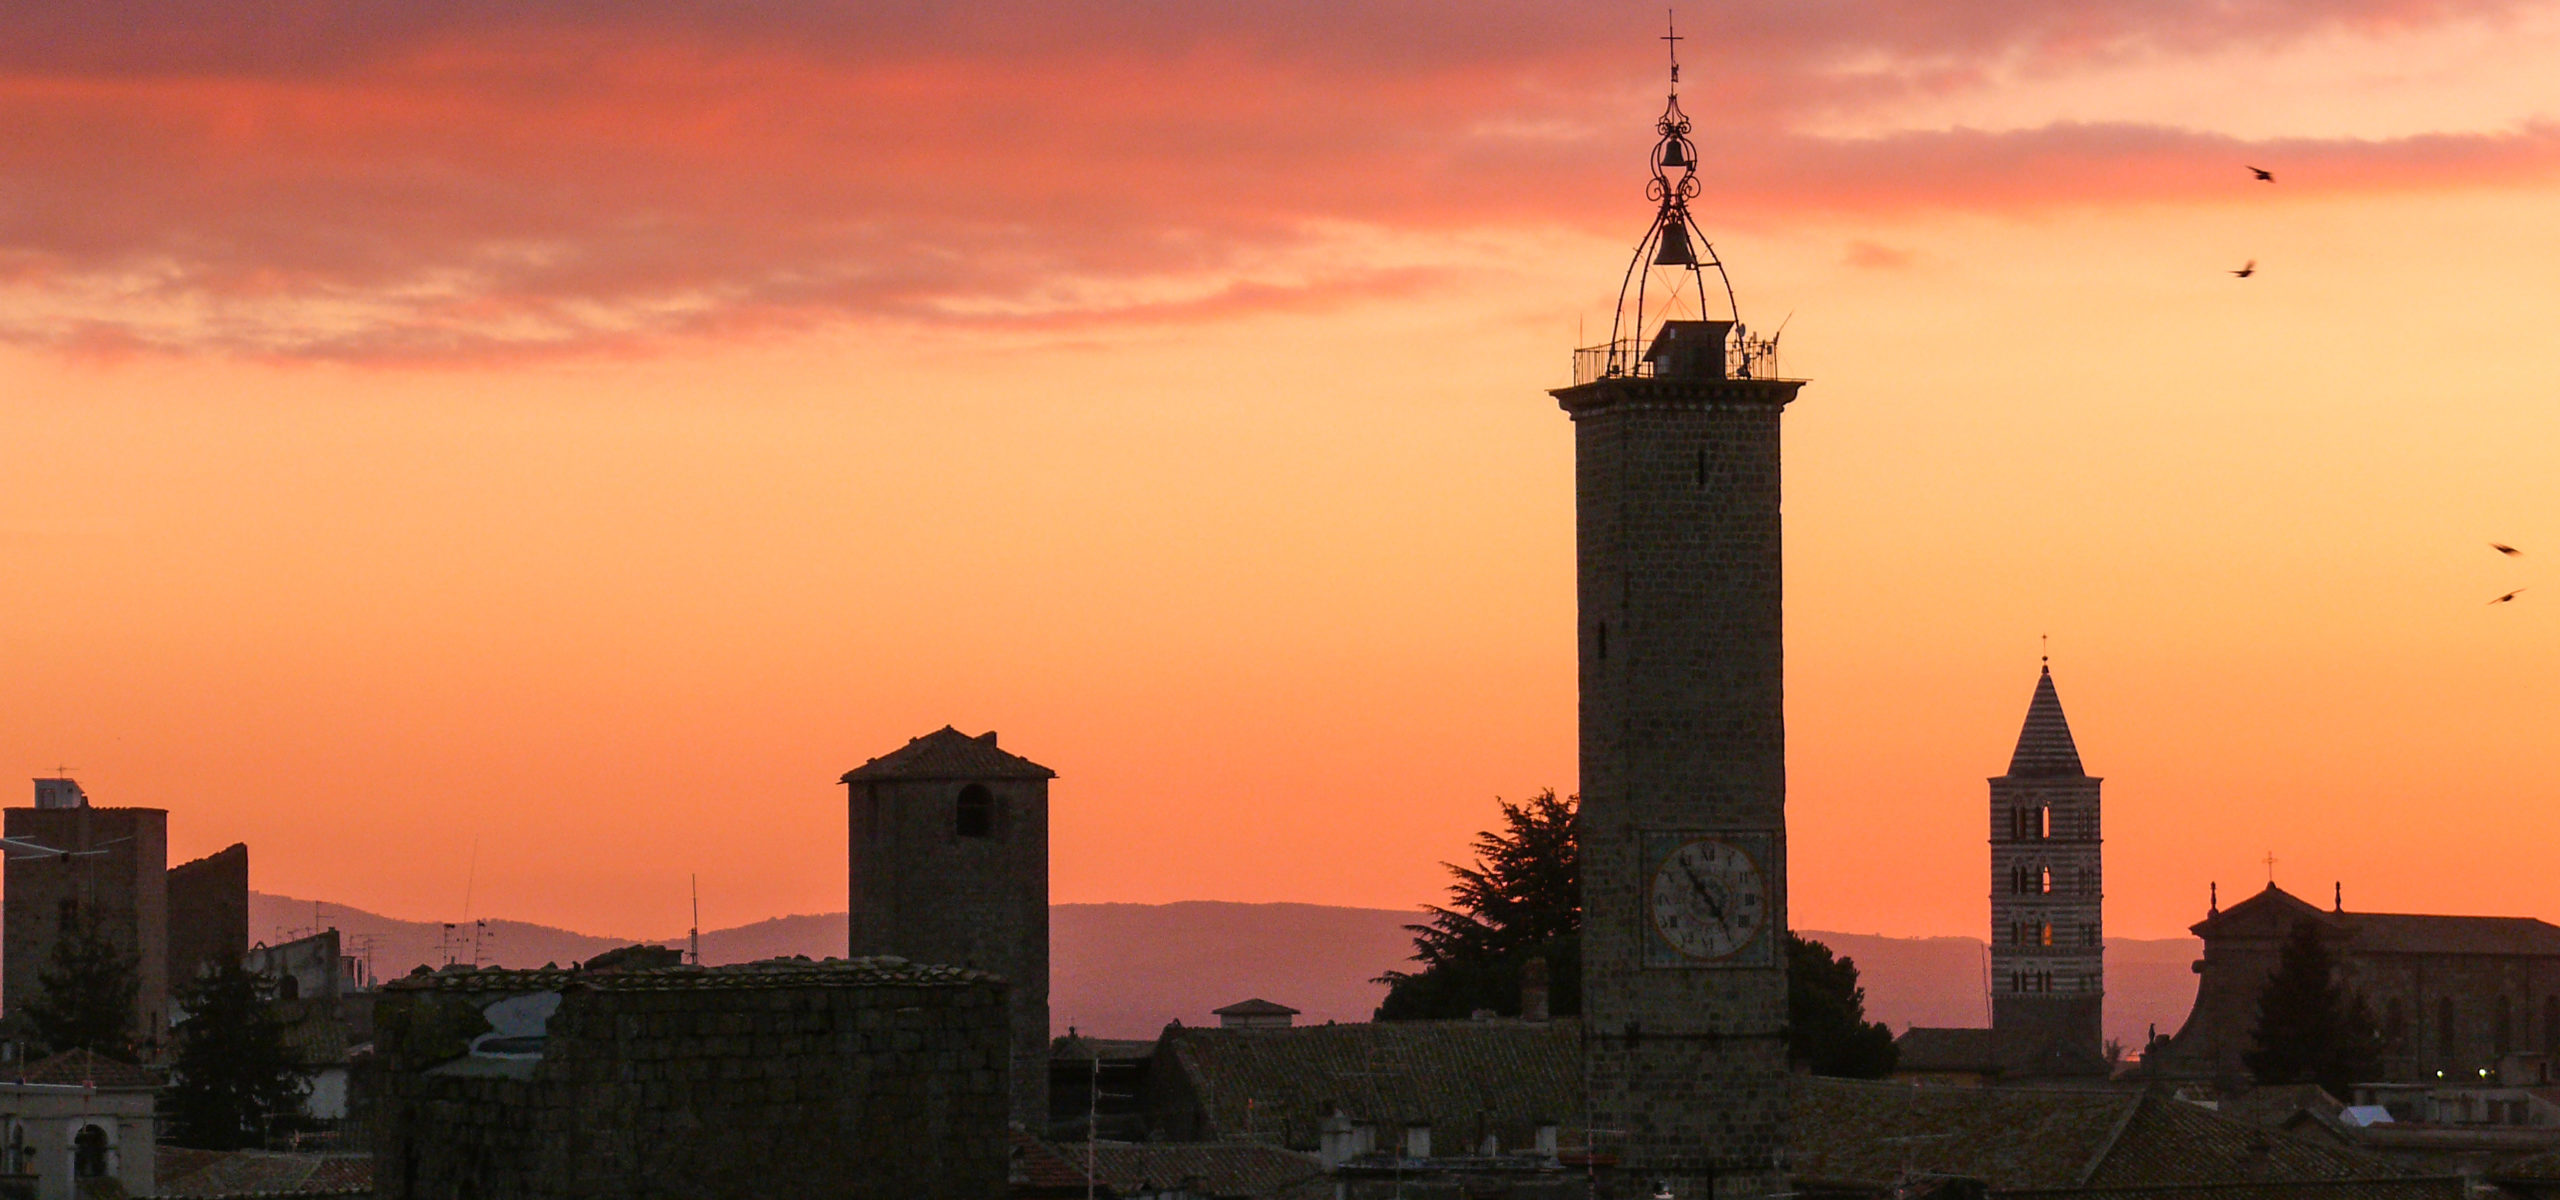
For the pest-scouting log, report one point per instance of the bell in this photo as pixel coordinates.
(1675, 251)
(1675, 155)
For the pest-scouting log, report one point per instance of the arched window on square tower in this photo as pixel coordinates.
(974, 816)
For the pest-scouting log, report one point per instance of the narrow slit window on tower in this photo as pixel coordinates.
(2044, 881)
(2044, 934)
(1702, 468)
(1602, 641)
(976, 815)
(2044, 822)
(2444, 1027)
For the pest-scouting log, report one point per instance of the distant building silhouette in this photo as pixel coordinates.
(2456, 995)
(949, 863)
(2048, 942)
(124, 890)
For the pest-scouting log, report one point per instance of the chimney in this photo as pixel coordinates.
(1533, 989)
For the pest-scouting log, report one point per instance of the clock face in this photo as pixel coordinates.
(1708, 899)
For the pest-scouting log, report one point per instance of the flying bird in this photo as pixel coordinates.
(2505, 549)
(2264, 175)
(2509, 596)
(2251, 268)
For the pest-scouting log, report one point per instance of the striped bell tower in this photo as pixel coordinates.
(2048, 938)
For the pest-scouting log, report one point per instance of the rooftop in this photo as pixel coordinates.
(947, 753)
(2045, 748)
(771, 973)
(88, 1068)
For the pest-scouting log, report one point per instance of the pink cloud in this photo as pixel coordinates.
(476, 179)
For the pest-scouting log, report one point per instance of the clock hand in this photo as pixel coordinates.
(1713, 905)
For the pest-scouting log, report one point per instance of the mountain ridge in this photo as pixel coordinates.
(1124, 969)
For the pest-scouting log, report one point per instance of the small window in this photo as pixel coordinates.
(2044, 881)
(288, 988)
(2551, 1024)
(1601, 639)
(2505, 1028)
(2044, 822)
(2444, 1028)
(2044, 934)
(977, 813)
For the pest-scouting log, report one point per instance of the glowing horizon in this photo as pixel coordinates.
(586, 437)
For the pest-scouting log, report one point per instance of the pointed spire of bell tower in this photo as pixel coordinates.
(2044, 745)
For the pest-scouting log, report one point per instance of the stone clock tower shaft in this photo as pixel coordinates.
(1683, 818)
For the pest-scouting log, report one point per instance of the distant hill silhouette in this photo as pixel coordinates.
(1124, 970)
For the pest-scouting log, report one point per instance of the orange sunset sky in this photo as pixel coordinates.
(532, 451)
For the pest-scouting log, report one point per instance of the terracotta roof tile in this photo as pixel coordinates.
(2174, 1142)
(1463, 1078)
(205, 1175)
(1929, 1048)
(947, 753)
(771, 973)
(89, 1068)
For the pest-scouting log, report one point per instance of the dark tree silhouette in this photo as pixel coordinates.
(1827, 1028)
(1521, 900)
(85, 990)
(233, 1074)
(2312, 1028)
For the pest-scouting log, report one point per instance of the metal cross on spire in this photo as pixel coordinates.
(1671, 38)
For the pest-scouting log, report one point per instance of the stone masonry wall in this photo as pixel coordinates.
(921, 892)
(2028, 1018)
(709, 1092)
(126, 889)
(1683, 729)
(209, 913)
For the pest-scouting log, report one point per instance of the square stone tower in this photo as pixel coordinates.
(950, 865)
(2048, 934)
(114, 870)
(1684, 747)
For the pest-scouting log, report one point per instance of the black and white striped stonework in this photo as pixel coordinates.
(2044, 746)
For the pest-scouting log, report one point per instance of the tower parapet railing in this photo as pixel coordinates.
(1745, 357)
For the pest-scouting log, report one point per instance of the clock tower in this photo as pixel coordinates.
(1683, 818)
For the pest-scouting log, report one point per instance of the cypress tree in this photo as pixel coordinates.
(2312, 1027)
(85, 991)
(233, 1074)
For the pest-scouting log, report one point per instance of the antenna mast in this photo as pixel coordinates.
(693, 939)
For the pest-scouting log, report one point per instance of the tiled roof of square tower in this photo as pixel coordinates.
(947, 753)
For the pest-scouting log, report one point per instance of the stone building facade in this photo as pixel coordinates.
(949, 863)
(863, 1078)
(2048, 940)
(1683, 765)
(2451, 994)
(208, 912)
(116, 873)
